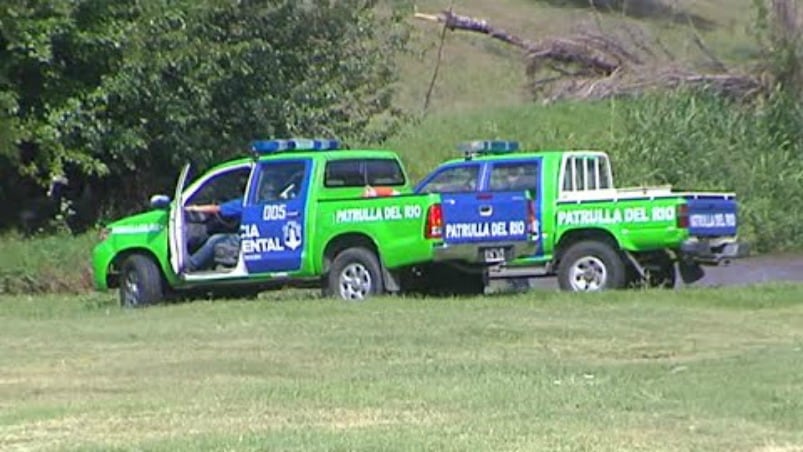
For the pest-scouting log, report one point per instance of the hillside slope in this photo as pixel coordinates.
(478, 72)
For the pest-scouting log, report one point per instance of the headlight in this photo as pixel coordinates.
(104, 233)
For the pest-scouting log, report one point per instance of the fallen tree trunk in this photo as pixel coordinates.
(593, 65)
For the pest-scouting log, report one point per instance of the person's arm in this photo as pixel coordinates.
(203, 208)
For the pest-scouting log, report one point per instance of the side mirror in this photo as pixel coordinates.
(160, 202)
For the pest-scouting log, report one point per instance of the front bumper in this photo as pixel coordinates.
(475, 253)
(102, 256)
(710, 252)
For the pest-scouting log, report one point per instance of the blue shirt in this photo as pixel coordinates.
(233, 208)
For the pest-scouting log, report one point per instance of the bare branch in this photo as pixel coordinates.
(593, 65)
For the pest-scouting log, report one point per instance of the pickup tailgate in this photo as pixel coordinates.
(493, 226)
(711, 216)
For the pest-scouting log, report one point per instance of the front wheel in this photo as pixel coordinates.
(140, 282)
(355, 274)
(591, 266)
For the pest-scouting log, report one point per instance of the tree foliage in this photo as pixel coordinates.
(118, 95)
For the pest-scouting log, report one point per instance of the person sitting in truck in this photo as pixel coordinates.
(204, 256)
(281, 186)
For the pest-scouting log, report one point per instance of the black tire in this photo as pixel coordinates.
(603, 265)
(355, 274)
(140, 282)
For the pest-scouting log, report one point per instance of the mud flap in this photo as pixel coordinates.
(391, 280)
(690, 271)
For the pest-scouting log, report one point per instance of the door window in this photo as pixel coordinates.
(222, 187)
(518, 176)
(280, 181)
(457, 179)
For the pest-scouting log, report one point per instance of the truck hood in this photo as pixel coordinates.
(150, 221)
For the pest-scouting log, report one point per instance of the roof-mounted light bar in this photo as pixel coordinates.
(294, 144)
(488, 147)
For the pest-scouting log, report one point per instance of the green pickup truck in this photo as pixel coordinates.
(591, 235)
(308, 213)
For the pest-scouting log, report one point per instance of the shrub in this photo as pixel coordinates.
(56, 263)
(696, 140)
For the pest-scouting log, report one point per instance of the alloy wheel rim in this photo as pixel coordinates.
(355, 282)
(588, 274)
(131, 292)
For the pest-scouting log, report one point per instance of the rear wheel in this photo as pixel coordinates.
(591, 266)
(140, 282)
(355, 274)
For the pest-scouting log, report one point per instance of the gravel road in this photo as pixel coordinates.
(740, 272)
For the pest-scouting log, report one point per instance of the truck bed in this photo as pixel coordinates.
(632, 193)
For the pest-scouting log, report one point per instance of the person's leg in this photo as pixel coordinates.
(206, 253)
(227, 252)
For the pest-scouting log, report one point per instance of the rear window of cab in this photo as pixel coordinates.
(343, 173)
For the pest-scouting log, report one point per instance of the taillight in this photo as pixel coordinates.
(682, 216)
(531, 220)
(434, 227)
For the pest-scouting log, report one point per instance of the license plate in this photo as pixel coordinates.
(494, 254)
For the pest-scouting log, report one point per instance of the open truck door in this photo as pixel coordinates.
(176, 229)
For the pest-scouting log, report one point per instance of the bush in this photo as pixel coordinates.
(699, 141)
(118, 96)
(57, 263)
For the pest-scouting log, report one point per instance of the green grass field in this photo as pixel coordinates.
(701, 369)
(691, 370)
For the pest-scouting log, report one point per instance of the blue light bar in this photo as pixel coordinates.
(294, 144)
(489, 146)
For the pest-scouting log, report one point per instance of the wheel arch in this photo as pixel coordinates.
(344, 241)
(573, 236)
(113, 270)
(357, 240)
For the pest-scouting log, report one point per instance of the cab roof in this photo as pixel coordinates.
(325, 155)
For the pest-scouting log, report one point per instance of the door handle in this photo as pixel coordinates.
(486, 211)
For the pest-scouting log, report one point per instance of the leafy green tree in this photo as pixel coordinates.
(119, 94)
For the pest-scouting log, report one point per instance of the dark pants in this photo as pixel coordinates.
(205, 255)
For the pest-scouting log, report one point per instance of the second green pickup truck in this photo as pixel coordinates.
(592, 235)
(304, 211)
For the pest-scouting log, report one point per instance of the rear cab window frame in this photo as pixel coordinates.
(363, 173)
(584, 173)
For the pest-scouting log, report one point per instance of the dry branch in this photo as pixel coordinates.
(592, 65)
